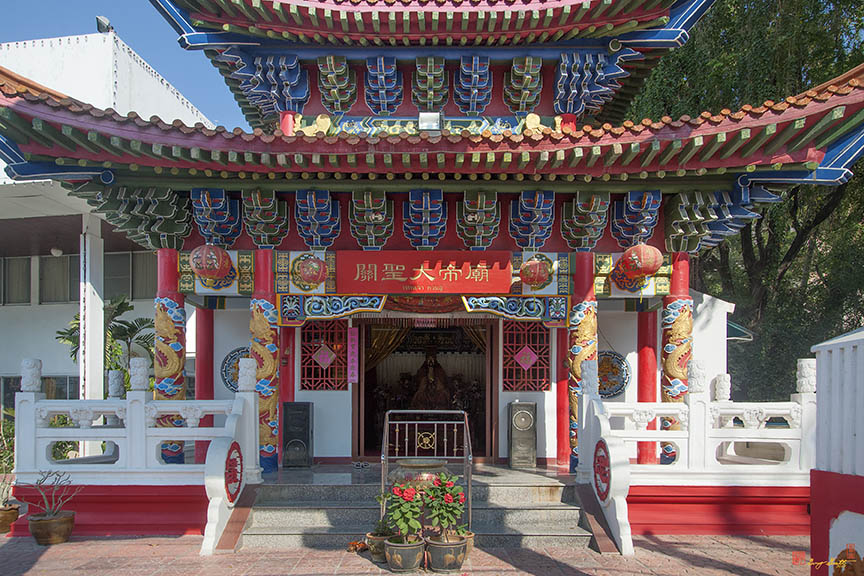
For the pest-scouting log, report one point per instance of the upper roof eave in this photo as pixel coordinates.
(824, 127)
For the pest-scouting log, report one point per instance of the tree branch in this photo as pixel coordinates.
(803, 234)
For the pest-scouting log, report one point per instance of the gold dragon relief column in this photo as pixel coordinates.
(264, 349)
(677, 325)
(582, 341)
(170, 347)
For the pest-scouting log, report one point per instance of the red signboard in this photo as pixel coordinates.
(434, 272)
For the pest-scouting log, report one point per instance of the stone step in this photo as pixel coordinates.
(328, 538)
(333, 514)
(497, 494)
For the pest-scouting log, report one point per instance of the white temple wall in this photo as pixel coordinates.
(28, 331)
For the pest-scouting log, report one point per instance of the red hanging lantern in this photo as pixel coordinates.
(640, 261)
(311, 270)
(210, 262)
(536, 272)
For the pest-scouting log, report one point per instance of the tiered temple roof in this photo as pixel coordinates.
(529, 165)
(493, 61)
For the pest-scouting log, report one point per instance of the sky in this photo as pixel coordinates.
(141, 26)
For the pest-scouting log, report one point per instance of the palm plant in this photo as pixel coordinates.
(120, 335)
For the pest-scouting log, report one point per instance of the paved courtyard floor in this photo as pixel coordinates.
(663, 555)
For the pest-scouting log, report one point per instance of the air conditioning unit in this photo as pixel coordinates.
(297, 434)
(522, 435)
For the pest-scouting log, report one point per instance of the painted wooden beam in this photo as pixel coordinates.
(738, 139)
(841, 129)
(690, 149)
(717, 142)
(629, 154)
(816, 129)
(650, 153)
(785, 135)
(52, 134)
(757, 141)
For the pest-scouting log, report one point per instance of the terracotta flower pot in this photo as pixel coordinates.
(404, 557)
(376, 547)
(8, 515)
(469, 537)
(447, 556)
(52, 530)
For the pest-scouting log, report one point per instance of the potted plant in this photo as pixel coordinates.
(445, 504)
(54, 525)
(404, 551)
(376, 538)
(8, 512)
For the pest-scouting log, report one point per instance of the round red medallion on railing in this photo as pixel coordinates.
(233, 472)
(602, 470)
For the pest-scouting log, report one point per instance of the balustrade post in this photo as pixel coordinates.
(248, 427)
(698, 418)
(26, 421)
(135, 420)
(806, 398)
(590, 391)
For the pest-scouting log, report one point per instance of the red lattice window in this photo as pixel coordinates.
(526, 356)
(324, 355)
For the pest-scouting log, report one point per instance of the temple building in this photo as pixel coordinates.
(441, 206)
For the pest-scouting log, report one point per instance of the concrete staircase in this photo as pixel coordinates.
(511, 509)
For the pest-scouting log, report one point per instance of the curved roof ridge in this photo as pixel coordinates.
(20, 83)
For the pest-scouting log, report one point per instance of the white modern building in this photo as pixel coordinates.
(45, 233)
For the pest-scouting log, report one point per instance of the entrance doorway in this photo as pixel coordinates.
(445, 367)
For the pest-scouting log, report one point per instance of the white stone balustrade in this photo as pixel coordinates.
(711, 431)
(133, 441)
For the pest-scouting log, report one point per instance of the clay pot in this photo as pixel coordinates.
(404, 557)
(376, 547)
(53, 529)
(447, 556)
(8, 515)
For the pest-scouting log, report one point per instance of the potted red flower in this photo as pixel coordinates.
(445, 504)
(404, 551)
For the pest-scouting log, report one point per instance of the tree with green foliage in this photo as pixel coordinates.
(792, 273)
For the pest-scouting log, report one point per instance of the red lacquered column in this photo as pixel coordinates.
(203, 372)
(562, 404)
(170, 345)
(646, 345)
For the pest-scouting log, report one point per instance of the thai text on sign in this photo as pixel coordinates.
(438, 272)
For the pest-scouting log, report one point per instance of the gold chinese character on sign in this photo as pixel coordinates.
(479, 273)
(422, 271)
(451, 273)
(393, 272)
(367, 273)
(426, 440)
